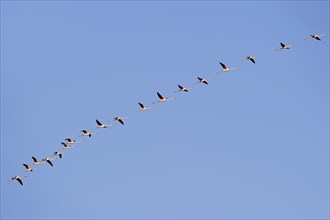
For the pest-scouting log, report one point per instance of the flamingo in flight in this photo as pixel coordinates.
(100, 125)
(183, 89)
(66, 146)
(59, 154)
(18, 179)
(48, 160)
(225, 68)
(162, 99)
(119, 119)
(283, 46)
(316, 36)
(201, 80)
(70, 141)
(86, 133)
(36, 162)
(27, 167)
(142, 107)
(251, 58)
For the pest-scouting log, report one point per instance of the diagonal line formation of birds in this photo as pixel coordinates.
(69, 143)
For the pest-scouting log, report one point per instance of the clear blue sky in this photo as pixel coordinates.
(253, 144)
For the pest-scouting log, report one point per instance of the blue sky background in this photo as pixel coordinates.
(253, 144)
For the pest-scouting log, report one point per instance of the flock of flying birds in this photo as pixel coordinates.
(69, 143)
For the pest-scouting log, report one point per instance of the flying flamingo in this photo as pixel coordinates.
(316, 36)
(59, 154)
(251, 58)
(162, 99)
(66, 146)
(48, 160)
(70, 141)
(119, 119)
(36, 162)
(201, 80)
(19, 179)
(100, 125)
(283, 46)
(86, 133)
(181, 88)
(27, 167)
(142, 107)
(225, 68)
